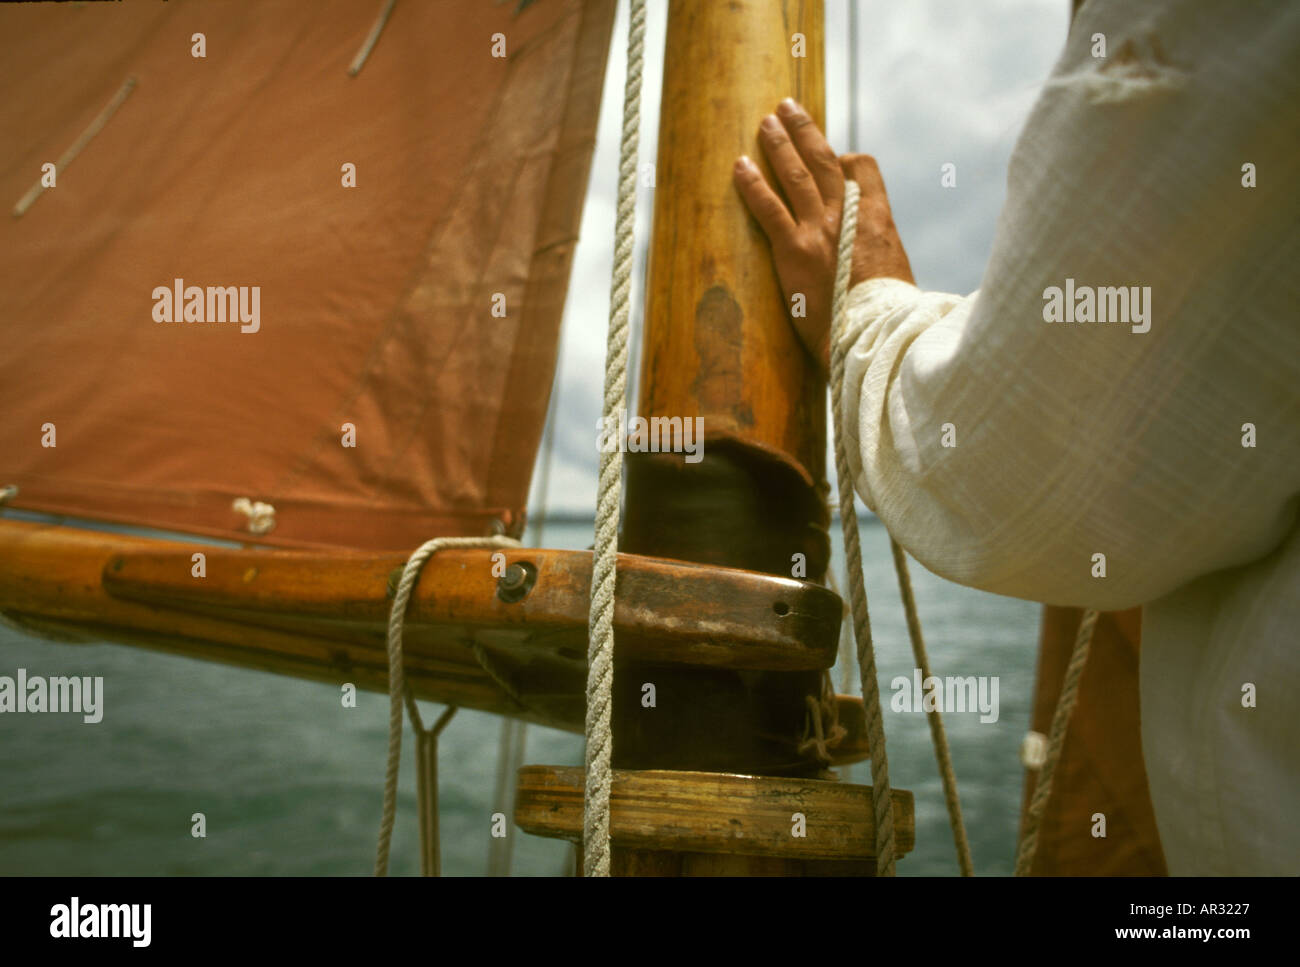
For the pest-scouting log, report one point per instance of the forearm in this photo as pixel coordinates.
(1006, 451)
(1007, 455)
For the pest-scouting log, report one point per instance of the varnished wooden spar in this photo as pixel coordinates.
(720, 345)
(717, 344)
(717, 340)
(667, 610)
(323, 616)
(53, 577)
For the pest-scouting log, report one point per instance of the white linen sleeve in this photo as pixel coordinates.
(1004, 451)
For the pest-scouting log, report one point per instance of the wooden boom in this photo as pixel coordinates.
(323, 616)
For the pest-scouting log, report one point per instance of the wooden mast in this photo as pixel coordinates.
(702, 785)
(717, 344)
(717, 339)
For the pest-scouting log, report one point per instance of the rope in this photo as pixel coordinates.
(818, 738)
(1055, 741)
(858, 595)
(845, 657)
(600, 643)
(881, 800)
(397, 690)
(942, 754)
(494, 672)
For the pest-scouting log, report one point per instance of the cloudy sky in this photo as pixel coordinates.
(938, 81)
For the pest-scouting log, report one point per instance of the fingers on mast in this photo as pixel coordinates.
(772, 215)
(815, 151)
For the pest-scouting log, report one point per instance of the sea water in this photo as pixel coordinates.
(289, 782)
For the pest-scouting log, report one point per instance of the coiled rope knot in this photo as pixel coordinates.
(261, 517)
(822, 729)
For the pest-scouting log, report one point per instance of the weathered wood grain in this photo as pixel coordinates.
(323, 616)
(701, 812)
(667, 611)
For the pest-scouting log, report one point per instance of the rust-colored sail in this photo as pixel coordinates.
(375, 302)
(1101, 769)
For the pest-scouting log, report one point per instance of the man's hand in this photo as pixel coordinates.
(805, 235)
